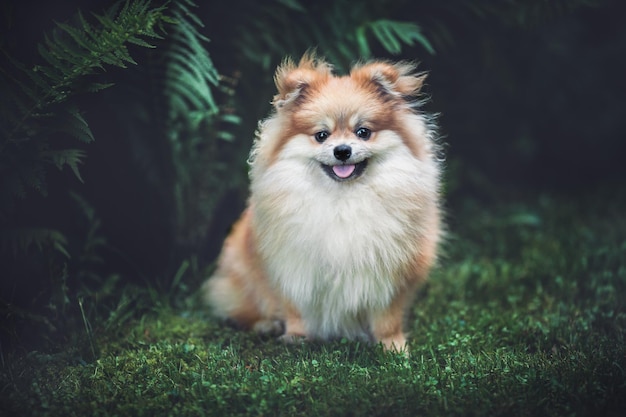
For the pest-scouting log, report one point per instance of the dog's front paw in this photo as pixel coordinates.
(292, 339)
(396, 344)
(269, 327)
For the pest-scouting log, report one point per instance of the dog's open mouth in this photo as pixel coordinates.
(345, 172)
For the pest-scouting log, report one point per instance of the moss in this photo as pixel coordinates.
(525, 316)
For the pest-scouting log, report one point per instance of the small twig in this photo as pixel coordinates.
(87, 327)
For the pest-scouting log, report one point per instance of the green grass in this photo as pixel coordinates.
(525, 316)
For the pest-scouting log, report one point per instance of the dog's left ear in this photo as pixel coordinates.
(293, 80)
(398, 79)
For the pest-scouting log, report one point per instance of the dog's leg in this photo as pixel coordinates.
(387, 325)
(239, 291)
(294, 326)
(242, 306)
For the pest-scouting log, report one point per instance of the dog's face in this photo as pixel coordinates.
(341, 122)
(339, 126)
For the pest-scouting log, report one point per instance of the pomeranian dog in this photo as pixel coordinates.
(343, 220)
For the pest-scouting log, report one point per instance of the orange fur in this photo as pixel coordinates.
(335, 245)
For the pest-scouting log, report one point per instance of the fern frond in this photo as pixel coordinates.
(40, 76)
(95, 87)
(72, 122)
(139, 42)
(86, 49)
(69, 157)
(230, 118)
(384, 32)
(80, 36)
(190, 72)
(189, 93)
(184, 7)
(349, 31)
(410, 33)
(198, 124)
(33, 106)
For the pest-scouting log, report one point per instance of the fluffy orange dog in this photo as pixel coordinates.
(343, 221)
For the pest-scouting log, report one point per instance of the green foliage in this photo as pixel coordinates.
(197, 127)
(391, 35)
(37, 115)
(41, 127)
(347, 32)
(188, 118)
(71, 54)
(190, 73)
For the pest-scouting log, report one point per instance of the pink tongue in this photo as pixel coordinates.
(343, 171)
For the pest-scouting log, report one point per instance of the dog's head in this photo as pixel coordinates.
(342, 124)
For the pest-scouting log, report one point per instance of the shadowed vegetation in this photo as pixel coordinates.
(525, 316)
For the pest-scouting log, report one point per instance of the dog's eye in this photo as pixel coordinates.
(363, 133)
(322, 136)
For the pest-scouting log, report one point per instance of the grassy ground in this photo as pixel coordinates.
(526, 316)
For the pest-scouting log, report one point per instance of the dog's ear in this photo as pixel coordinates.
(292, 80)
(399, 79)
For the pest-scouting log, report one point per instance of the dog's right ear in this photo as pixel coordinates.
(394, 80)
(293, 80)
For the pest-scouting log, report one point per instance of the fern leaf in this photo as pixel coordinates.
(70, 55)
(74, 52)
(225, 136)
(123, 54)
(77, 126)
(69, 157)
(39, 75)
(47, 52)
(385, 33)
(190, 71)
(230, 118)
(192, 91)
(186, 11)
(392, 34)
(139, 42)
(409, 33)
(95, 87)
(78, 35)
(66, 120)
(86, 26)
(190, 48)
(361, 38)
(188, 62)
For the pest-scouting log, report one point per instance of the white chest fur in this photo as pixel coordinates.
(336, 250)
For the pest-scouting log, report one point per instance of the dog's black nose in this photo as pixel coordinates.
(342, 152)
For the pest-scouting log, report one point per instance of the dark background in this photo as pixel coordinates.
(531, 97)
